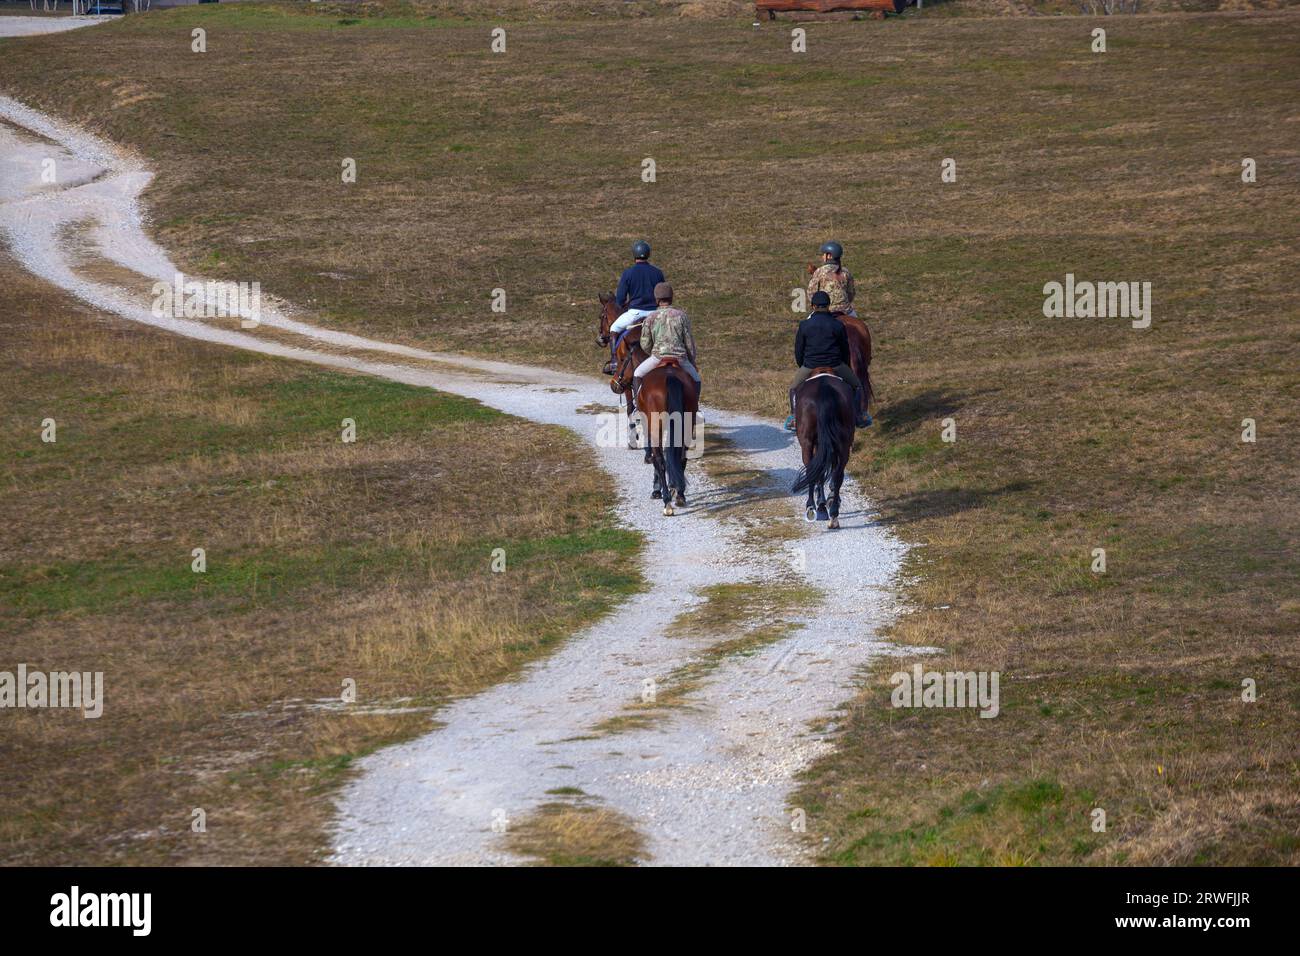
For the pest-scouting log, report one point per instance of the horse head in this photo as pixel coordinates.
(608, 316)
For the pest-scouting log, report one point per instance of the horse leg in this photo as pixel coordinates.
(653, 457)
(661, 480)
(809, 512)
(837, 479)
(681, 442)
(631, 421)
(821, 502)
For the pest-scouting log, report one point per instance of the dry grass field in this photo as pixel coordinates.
(326, 561)
(522, 171)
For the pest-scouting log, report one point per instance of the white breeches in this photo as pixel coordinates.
(627, 318)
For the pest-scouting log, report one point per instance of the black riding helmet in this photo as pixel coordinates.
(834, 249)
(640, 249)
(820, 299)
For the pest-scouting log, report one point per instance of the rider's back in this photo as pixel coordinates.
(636, 286)
(821, 341)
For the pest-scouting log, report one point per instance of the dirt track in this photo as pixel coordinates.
(706, 784)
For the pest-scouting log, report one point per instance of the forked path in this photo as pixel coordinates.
(706, 780)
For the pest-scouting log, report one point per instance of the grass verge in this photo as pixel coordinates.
(327, 565)
(522, 171)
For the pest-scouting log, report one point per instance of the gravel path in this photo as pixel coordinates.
(32, 26)
(705, 785)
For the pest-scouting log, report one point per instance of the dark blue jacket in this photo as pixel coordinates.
(636, 287)
(821, 341)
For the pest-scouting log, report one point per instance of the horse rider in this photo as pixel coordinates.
(821, 342)
(667, 332)
(833, 279)
(635, 295)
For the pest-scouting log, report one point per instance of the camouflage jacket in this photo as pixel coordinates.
(667, 331)
(835, 281)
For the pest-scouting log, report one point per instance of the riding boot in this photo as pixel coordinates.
(863, 417)
(789, 422)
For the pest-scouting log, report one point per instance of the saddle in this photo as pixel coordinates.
(669, 361)
(823, 370)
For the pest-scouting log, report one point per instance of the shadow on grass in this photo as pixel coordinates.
(943, 502)
(907, 414)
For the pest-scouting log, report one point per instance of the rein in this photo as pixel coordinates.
(622, 366)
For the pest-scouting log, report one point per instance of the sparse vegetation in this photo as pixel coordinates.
(325, 561)
(476, 170)
(577, 832)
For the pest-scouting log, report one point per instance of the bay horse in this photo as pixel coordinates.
(824, 422)
(859, 349)
(669, 400)
(623, 362)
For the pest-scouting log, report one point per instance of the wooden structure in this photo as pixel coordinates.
(768, 9)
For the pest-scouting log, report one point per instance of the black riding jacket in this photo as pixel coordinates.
(821, 340)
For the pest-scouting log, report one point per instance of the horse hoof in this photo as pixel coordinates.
(656, 494)
(810, 514)
(823, 514)
(668, 511)
(680, 500)
(834, 524)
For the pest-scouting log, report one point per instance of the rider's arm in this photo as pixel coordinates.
(648, 335)
(690, 346)
(798, 346)
(850, 290)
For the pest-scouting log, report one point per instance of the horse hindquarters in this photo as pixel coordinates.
(675, 430)
(826, 442)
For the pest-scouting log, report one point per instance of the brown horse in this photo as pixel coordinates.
(626, 358)
(859, 349)
(824, 422)
(669, 402)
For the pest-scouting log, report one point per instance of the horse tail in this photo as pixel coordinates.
(676, 438)
(828, 440)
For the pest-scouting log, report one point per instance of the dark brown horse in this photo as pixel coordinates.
(626, 358)
(669, 403)
(859, 349)
(824, 420)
